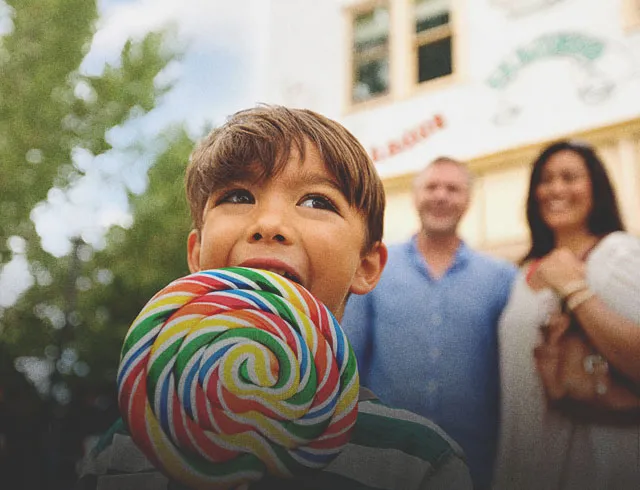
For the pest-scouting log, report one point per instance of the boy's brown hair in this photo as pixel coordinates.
(265, 135)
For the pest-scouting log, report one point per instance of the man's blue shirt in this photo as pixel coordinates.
(430, 345)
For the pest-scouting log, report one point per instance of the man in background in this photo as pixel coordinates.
(426, 336)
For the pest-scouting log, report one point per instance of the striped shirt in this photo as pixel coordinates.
(390, 449)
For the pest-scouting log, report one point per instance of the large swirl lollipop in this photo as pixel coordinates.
(228, 374)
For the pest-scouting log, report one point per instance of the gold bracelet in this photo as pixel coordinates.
(572, 287)
(578, 298)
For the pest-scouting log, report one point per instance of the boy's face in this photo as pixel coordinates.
(297, 224)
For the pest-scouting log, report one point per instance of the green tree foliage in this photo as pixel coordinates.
(90, 315)
(71, 323)
(48, 108)
(138, 262)
(46, 45)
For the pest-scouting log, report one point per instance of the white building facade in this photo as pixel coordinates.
(485, 81)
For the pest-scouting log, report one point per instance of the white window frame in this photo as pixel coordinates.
(404, 43)
(427, 37)
(352, 13)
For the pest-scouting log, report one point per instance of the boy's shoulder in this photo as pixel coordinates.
(390, 449)
(374, 418)
(116, 463)
(393, 448)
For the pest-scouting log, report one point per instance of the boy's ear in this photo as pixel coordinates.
(368, 273)
(193, 251)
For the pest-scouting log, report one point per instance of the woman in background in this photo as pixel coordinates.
(570, 336)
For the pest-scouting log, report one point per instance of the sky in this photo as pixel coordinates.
(220, 73)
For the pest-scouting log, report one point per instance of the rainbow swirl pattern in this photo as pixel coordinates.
(228, 374)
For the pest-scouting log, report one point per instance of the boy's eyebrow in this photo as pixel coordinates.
(312, 178)
(303, 177)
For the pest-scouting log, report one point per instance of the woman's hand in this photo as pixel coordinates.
(557, 269)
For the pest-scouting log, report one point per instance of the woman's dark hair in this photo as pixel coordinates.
(604, 217)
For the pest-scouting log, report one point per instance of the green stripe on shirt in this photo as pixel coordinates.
(409, 437)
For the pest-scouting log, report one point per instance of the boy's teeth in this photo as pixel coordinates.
(285, 274)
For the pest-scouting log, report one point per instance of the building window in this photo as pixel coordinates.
(396, 46)
(432, 42)
(370, 53)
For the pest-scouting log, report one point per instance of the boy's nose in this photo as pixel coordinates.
(277, 237)
(270, 224)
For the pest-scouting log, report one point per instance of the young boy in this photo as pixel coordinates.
(290, 191)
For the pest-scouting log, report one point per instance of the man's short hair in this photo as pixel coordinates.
(265, 135)
(444, 160)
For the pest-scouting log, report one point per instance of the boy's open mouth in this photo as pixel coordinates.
(276, 266)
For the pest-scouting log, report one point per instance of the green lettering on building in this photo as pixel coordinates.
(580, 47)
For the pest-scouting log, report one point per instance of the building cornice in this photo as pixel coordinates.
(525, 154)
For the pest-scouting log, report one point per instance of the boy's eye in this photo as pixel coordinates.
(318, 202)
(237, 196)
